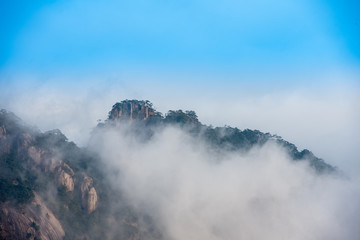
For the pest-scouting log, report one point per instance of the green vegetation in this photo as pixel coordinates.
(13, 186)
(16, 191)
(182, 118)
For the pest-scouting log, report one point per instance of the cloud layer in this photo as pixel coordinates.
(194, 194)
(323, 119)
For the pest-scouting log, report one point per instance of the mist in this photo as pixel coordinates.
(324, 119)
(193, 193)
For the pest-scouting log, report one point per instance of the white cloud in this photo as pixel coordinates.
(258, 195)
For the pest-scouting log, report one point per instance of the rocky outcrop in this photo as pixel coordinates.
(44, 160)
(46, 163)
(131, 110)
(92, 200)
(66, 180)
(34, 221)
(89, 196)
(64, 176)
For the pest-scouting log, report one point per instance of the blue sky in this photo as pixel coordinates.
(291, 68)
(273, 38)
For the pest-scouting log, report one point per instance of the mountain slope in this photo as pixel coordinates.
(44, 179)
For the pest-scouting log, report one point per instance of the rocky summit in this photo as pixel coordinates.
(131, 110)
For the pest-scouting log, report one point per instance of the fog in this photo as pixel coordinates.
(323, 119)
(192, 193)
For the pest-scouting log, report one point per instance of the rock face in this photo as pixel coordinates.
(65, 177)
(43, 159)
(89, 196)
(35, 221)
(131, 110)
(35, 176)
(92, 200)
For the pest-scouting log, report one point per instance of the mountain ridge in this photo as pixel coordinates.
(52, 189)
(227, 137)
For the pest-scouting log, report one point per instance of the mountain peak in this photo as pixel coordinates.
(130, 110)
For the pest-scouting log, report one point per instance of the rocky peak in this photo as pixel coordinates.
(130, 110)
